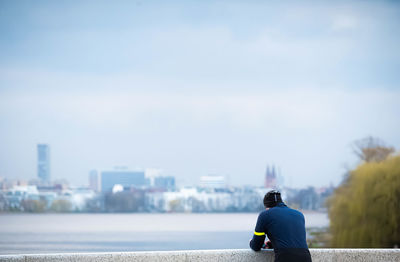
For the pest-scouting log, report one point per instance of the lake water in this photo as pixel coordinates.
(54, 233)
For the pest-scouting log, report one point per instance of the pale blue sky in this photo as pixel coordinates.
(197, 88)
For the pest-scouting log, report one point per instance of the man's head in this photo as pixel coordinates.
(272, 198)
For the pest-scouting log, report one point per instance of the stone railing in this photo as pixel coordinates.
(231, 255)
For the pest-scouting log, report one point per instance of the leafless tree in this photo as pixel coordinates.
(372, 149)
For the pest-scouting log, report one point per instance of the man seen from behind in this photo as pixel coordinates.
(285, 228)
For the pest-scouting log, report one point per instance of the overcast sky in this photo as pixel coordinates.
(197, 87)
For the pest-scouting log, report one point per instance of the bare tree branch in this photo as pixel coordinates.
(372, 149)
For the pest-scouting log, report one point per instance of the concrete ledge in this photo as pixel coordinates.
(231, 255)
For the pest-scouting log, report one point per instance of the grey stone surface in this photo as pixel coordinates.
(73, 257)
(355, 255)
(231, 255)
(234, 255)
(12, 258)
(164, 256)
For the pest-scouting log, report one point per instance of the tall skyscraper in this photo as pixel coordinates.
(43, 162)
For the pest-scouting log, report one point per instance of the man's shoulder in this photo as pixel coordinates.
(295, 211)
(264, 214)
(285, 209)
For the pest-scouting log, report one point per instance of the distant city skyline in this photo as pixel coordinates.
(197, 88)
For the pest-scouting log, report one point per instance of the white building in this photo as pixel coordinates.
(189, 199)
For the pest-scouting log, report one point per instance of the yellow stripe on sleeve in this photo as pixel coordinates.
(259, 233)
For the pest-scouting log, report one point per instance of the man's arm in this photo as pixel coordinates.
(259, 235)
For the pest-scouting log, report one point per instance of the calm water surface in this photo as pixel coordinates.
(51, 233)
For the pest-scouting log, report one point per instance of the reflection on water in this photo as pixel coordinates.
(45, 233)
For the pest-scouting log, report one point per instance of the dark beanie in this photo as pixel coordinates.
(272, 198)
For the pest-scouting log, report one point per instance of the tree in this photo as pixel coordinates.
(364, 210)
(33, 205)
(94, 204)
(176, 205)
(124, 201)
(371, 149)
(61, 205)
(306, 199)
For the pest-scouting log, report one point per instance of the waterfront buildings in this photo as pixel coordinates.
(166, 182)
(94, 180)
(124, 178)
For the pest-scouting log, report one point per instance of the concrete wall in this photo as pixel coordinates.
(231, 255)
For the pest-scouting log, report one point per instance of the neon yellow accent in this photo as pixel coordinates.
(259, 233)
